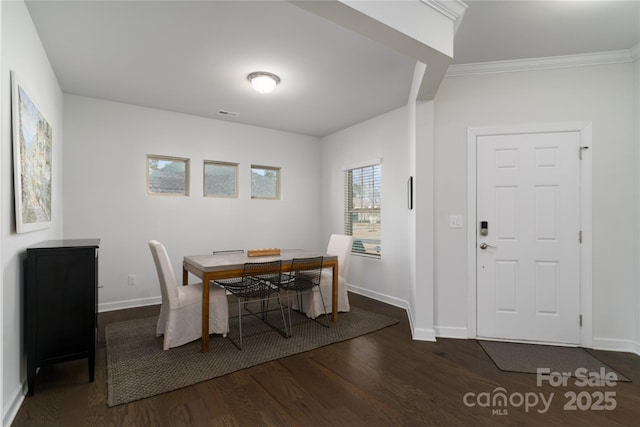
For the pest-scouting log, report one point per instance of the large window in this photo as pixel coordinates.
(362, 209)
(265, 182)
(167, 175)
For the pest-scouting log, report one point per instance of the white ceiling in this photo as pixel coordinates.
(509, 30)
(193, 57)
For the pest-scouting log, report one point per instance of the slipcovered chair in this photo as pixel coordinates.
(312, 303)
(180, 318)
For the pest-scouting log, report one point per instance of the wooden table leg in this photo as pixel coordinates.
(334, 294)
(205, 314)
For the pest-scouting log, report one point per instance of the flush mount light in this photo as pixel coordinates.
(263, 82)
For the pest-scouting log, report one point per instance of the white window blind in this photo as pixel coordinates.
(363, 208)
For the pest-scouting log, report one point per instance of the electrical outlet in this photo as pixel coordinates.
(132, 279)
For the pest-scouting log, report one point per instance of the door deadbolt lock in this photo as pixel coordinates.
(484, 228)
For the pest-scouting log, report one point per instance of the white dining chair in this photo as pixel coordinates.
(312, 303)
(180, 318)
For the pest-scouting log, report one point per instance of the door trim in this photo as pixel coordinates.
(586, 252)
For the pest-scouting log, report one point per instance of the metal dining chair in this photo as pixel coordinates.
(303, 278)
(259, 282)
(233, 280)
(315, 304)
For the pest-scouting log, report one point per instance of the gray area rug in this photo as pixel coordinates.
(527, 358)
(137, 367)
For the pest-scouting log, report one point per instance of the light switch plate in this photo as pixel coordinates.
(455, 221)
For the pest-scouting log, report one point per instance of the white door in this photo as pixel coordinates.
(528, 261)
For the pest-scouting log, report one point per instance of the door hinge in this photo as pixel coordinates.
(581, 150)
(581, 320)
(580, 236)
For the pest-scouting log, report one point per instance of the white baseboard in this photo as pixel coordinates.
(417, 334)
(132, 303)
(396, 302)
(452, 332)
(14, 405)
(421, 334)
(610, 344)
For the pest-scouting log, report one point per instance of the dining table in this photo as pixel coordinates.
(227, 265)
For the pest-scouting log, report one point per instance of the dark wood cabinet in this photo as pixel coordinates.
(61, 304)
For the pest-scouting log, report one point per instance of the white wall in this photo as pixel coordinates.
(1, 198)
(22, 52)
(636, 80)
(106, 145)
(600, 94)
(385, 137)
(423, 310)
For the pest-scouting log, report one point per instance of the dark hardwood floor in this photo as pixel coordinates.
(380, 379)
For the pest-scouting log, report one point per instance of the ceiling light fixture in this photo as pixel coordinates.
(263, 82)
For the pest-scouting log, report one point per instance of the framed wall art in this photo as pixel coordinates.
(32, 161)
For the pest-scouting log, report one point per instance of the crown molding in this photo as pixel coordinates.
(452, 9)
(532, 64)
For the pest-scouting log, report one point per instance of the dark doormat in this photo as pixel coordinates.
(527, 358)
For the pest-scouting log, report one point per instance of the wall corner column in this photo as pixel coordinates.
(423, 235)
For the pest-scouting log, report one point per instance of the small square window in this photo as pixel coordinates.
(167, 176)
(265, 182)
(220, 179)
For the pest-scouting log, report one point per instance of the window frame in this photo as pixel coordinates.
(186, 177)
(205, 163)
(349, 209)
(278, 170)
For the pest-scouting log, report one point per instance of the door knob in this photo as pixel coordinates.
(484, 245)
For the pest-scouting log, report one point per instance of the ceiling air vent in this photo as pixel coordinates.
(225, 113)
